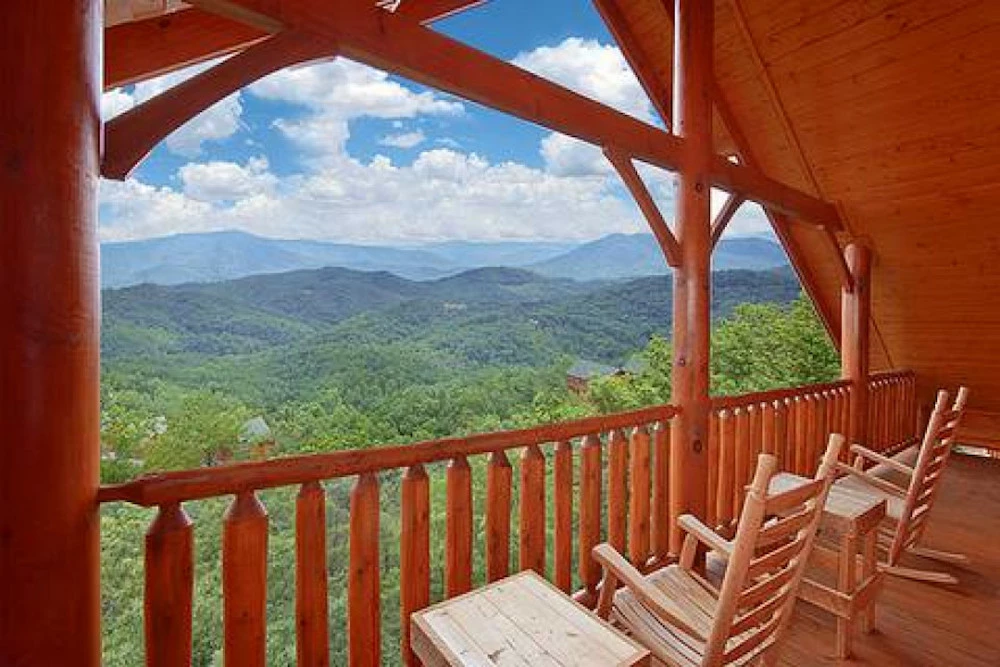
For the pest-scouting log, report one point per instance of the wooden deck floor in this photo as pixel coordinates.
(922, 624)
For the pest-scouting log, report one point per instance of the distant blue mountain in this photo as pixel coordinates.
(618, 256)
(220, 256)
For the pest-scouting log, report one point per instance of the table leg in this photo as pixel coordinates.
(869, 565)
(846, 583)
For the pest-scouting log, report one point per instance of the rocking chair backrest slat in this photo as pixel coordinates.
(767, 562)
(935, 450)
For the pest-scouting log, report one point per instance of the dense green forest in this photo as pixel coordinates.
(334, 359)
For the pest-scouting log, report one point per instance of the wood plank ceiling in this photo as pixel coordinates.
(891, 109)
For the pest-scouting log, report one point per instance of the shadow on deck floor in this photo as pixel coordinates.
(923, 624)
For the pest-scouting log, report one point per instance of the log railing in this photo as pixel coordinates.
(606, 479)
(793, 424)
(892, 412)
(626, 454)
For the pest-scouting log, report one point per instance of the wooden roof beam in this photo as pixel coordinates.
(658, 91)
(379, 39)
(633, 181)
(152, 47)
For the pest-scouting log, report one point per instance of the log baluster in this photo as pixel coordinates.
(498, 495)
(311, 612)
(414, 553)
(563, 493)
(801, 434)
(741, 458)
(617, 474)
(727, 467)
(767, 416)
(244, 582)
(780, 433)
(820, 432)
(169, 587)
(756, 436)
(712, 512)
(590, 514)
(458, 532)
(639, 478)
(812, 434)
(364, 630)
(661, 493)
(532, 507)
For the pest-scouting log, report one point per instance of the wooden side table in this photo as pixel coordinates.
(520, 621)
(850, 521)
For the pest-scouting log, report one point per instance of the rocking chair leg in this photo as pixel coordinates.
(919, 575)
(943, 556)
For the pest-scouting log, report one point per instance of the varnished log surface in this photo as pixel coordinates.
(924, 625)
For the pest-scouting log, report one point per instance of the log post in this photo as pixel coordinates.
(856, 308)
(693, 77)
(50, 607)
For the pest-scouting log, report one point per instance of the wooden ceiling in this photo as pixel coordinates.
(891, 110)
(888, 108)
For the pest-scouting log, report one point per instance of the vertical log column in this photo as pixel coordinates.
(856, 308)
(693, 51)
(49, 318)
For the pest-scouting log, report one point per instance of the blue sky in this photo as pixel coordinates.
(339, 151)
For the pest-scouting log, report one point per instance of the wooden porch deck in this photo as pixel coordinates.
(923, 624)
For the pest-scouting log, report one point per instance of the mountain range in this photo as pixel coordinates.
(221, 256)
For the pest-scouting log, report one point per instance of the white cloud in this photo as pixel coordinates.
(226, 181)
(566, 156)
(598, 71)
(403, 140)
(218, 122)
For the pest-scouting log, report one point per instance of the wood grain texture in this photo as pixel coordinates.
(590, 512)
(244, 582)
(169, 588)
(563, 493)
(498, 489)
(364, 621)
(531, 547)
(617, 489)
(414, 552)
(458, 529)
(311, 606)
(640, 491)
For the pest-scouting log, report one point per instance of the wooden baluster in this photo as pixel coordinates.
(661, 492)
(414, 552)
(801, 434)
(639, 496)
(756, 437)
(311, 613)
(590, 514)
(364, 617)
(563, 493)
(767, 416)
(458, 533)
(727, 468)
(532, 542)
(712, 511)
(781, 433)
(617, 474)
(812, 433)
(741, 458)
(498, 481)
(244, 582)
(819, 432)
(169, 588)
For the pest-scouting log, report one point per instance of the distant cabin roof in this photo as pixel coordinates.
(585, 369)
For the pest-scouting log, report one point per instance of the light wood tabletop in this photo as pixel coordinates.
(521, 621)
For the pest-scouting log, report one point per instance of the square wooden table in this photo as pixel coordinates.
(850, 521)
(522, 621)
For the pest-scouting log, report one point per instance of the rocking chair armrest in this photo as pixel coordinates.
(695, 528)
(618, 569)
(872, 480)
(881, 458)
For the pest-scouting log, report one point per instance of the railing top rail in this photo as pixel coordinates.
(741, 400)
(184, 485)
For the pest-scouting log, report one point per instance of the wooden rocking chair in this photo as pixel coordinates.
(686, 621)
(909, 503)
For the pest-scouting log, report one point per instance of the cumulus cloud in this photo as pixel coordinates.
(218, 122)
(403, 140)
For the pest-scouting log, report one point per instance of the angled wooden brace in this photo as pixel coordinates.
(633, 181)
(726, 213)
(132, 135)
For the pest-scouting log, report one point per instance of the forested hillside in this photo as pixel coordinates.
(334, 359)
